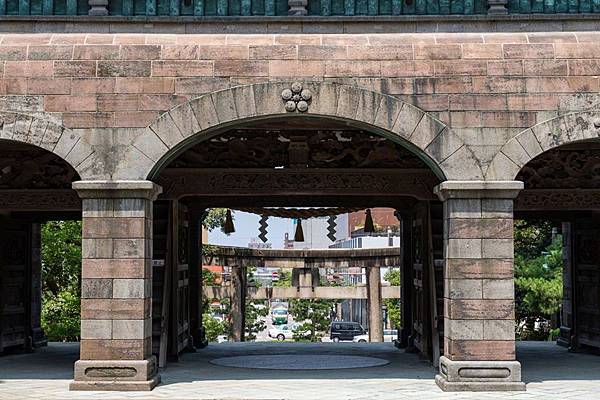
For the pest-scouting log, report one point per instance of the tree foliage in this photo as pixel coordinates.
(314, 316)
(61, 280)
(255, 310)
(285, 279)
(393, 306)
(215, 218)
(61, 255)
(254, 318)
(60, 316)
(532, 237)
(213, 327)
(538, 283)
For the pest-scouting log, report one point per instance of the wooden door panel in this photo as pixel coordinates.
(587, 285)
(14, 278)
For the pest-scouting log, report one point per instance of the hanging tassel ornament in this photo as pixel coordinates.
(228, 226)
(299, 236)
(369, 227)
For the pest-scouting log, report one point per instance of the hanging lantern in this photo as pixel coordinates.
(299, 236)
(228, 226)
(369, 228)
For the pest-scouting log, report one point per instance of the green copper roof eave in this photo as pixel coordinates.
(279, 8)
(534, 17)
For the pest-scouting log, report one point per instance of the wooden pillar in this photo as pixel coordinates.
(238, 303)
(374, 304)
(195, 251)
(37, 334)
(406, 282)
(566, 321)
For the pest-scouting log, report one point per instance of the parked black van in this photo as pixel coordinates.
(341, 330)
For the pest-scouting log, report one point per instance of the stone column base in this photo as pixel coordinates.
(121, 375)
(479, 376)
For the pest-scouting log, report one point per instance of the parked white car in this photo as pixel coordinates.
(388, 336)
(222, 339)
(283, 332)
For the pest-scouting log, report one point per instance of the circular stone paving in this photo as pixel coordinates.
(299, 362)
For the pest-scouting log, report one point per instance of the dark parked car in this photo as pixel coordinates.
(341, 330)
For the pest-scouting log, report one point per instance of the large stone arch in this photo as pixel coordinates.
(209, 114)
(530, 143)
(47, 135)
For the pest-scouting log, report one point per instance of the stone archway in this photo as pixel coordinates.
(540, 138)
(204, 116)
(45, 134)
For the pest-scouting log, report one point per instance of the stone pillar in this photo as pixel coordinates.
(374, 304)
(238, 303)
(116, 289)
(479, 310)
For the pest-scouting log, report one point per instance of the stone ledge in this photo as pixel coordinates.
(121, 386)
(103, 189)
(478, 189)
(479, 386)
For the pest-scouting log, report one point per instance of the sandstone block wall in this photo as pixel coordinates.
(487, 87)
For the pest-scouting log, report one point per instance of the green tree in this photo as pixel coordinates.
(213, 327)
(255, 310)
(393, 306)
(538, 289)
(61, 256)
(532, 237)
(285, 279)
(61, 280)
(60, 316)
(215, 218)
(314, 316)
(208, 279)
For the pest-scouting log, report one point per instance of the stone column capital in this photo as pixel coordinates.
(478, 189)
(103, 189)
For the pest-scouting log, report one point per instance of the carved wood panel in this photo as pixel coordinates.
(279, 148)
(178, 183)
(567, 178)
(29, 167)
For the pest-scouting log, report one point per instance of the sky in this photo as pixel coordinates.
(246, 228)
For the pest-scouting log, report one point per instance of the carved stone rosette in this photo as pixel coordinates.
(296, 98)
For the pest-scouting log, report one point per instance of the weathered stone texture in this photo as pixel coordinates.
(478, 287)
(483, 88)
(497, 64)
(116, 321)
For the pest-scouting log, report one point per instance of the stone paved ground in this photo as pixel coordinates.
(549, 370)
